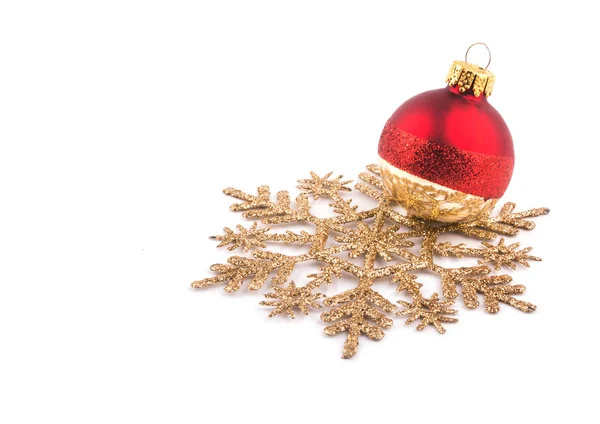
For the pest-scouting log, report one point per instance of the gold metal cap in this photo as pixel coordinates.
(470, 78)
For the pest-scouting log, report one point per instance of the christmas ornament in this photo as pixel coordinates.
(409, 244)
(447, 154)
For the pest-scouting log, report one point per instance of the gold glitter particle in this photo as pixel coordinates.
(380, 231)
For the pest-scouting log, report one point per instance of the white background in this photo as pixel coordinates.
(120, 123)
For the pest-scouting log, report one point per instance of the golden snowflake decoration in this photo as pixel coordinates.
(379, 231)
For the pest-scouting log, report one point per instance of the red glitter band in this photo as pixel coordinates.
(469, 172)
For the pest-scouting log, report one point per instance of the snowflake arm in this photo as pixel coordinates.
(323, 186)
(262, 207)
(506, 255)
(497, 255)
(356, 309)
(407, 282)
(506, 223)
(432, 311)
(325, 275)
(235, 271)
(496, 289)
(247, 238)
(291, 297)
(386, 241)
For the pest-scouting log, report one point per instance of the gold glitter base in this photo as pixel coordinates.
(432, 201)
(379, 231)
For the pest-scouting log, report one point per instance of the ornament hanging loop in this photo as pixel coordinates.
(488, 50)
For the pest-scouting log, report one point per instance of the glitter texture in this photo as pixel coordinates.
(474, 173)
(433, 203)
(291, 297)
(430, 311)
(378, 231)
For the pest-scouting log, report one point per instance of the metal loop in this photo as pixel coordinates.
(487, 48)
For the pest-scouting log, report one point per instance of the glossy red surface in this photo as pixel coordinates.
(458, 141)
(445, 116)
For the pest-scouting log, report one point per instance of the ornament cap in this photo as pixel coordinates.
(470, 79)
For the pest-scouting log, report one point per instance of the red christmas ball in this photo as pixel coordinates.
(447, 154)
